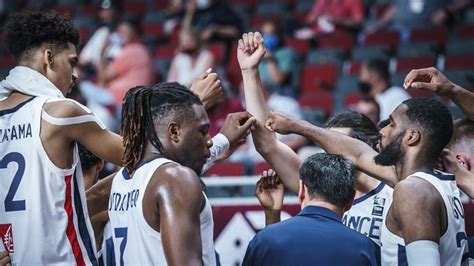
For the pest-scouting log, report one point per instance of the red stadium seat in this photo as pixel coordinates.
(160, 5)
(300, 16)
(7, 62)
(135, 7)
(165, 52)
(153, 29)
(321, 100)
(354, 68)
(260, 167)
(466, 31)
(407, 64)
(459, 62)
(378, 38)
(90, 10)
(351, 98)
(302, 46)
(226, 169)
(344, 41)
(218, 50)
(318, 77)
(438, 34)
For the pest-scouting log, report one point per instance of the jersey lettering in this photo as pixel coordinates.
(122, 202)
(16, 132)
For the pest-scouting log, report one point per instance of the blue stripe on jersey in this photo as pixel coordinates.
(125, 172)
(110, 252)
(16, 108)
(441, 175)
(83, 232)
(402, 256)
(370, 194)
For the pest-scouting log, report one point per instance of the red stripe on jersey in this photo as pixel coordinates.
(70, 230)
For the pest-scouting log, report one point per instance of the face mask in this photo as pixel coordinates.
(271, 41)
(364, 87)
(203, 4)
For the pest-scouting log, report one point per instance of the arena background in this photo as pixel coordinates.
(326, 77)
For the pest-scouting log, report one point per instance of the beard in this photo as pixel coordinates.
(390, 154)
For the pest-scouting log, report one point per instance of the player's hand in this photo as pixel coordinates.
(430, 79)
(208, 88)
(236, 128)
(280, 123)
(270, 191)
(4, 258)
(250, 50)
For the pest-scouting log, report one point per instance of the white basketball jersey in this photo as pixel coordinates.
(43, 211)
(453, 243)
(134, 241)
(368, 212)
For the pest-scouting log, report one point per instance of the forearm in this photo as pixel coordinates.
(276, 74)
(464, 99)
(98, 196)
(254, 100)
(272, 217)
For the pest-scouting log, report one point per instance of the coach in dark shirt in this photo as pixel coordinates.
(316, 235)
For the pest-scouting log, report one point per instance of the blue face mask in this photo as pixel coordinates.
(271, 41)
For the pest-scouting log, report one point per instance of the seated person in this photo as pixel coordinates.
(328, 16)
(191, 60)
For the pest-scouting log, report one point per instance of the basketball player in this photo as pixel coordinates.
(157, 209)
(425, 223)
(373, 197)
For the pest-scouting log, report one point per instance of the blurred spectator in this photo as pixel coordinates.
(218, 113)
(278, 63)
(402, 15)
(213, 18)
(332, 15)
(368, 107)
(375, 83)
(104, 36)
(132, 67)
(192, 59)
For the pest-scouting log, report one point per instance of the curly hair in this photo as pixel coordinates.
(29, 30)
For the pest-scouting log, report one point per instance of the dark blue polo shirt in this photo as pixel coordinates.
(315, 236)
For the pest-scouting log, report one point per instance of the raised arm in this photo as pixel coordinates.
(432, 79)
(270, 193)
(179, 196)
(281, 157)
(359, 152)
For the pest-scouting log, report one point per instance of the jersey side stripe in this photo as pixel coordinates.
(83, 232)
(70, 230)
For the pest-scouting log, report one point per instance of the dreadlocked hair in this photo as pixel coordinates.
(142, 106)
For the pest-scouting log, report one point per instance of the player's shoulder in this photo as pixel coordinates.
(65, 108)
(172, 173)
(416, 189)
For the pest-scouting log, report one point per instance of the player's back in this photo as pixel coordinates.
(453, 243)
(44, 217)
(135, 242)
(368, 212)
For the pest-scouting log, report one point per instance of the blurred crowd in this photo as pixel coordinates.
(323, 56)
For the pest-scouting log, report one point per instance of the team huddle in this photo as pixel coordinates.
(377, 196)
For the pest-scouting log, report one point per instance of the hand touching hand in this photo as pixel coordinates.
(236, 128)
(4, 258)
(250, 50)
(208, 88)
(270, 191)
(280, 123)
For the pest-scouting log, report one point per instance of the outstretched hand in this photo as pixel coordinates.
(208, 88)
(250, 50)
(280, 123)
(270, 191)
(429, 78)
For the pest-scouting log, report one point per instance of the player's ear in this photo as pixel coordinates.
(48, 57)
(100, 166)
(413, 137)
(174, 132)
(301, 192)
(464, 161)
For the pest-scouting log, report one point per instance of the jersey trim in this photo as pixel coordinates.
(16, 108)
(83, 232)
(370, 194)
(70, 230)
(125, 174)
